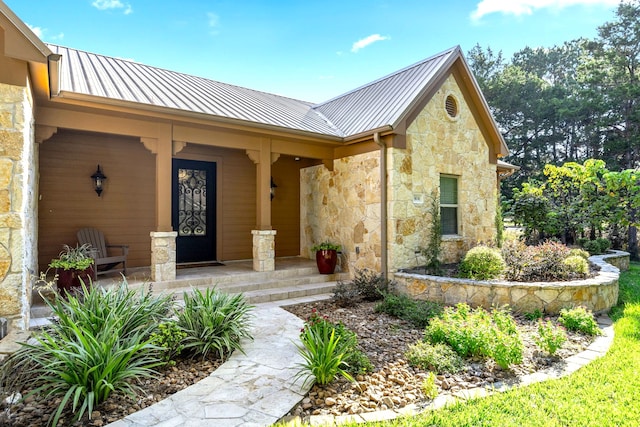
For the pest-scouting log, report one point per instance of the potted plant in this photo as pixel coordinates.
(72, 266)
(326, 256)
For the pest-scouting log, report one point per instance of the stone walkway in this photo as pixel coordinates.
(252, 389)
(258, 388)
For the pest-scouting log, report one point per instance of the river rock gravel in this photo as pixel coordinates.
(393, 382)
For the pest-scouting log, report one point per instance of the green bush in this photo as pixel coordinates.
(170, 337)
(482, 263)
(597, 246)
(579, 252)
(577, 266)
(550, 337)
(214, 322)
(478, 333)
(429, 387)
(434, 357)
(579, 319)
(417, 312)
(101, 343)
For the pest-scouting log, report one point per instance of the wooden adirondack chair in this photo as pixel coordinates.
(103, 262)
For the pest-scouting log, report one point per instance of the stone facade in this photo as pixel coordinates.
(264, 250)
(18, 204)
(439, 144)
(598, 294)
(343, 205)
(163, 255)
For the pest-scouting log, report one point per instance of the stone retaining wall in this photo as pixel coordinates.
(598, 294)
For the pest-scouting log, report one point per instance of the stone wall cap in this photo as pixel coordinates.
(263, 232)
(163, 234)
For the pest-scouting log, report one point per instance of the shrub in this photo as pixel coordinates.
(576, 266)
(478, 333)
(429, 387)
(366, 285)
(417, 312)
(482, 263)
(101, 343)
(579, 252)
(535, 263)
(170, 337)
(597, 246)
(214, 322)
(434, 357)
(579, 319)
(345, 294)
(534, 315)
(550, 337)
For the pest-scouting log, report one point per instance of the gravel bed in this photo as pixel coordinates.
(392, 384)
(34, 412)
(395, 384)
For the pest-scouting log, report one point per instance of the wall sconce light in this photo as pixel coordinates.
(273, 189)
(98, 179)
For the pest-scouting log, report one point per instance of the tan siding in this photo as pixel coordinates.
(126, 210)
(285, 207)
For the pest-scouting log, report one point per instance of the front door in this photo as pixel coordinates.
(194, 207)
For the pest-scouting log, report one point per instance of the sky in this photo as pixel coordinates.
(305, 49)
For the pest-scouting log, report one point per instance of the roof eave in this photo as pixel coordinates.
(168, 113)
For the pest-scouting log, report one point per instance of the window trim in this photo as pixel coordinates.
(456, 206)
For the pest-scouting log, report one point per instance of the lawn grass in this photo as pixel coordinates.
(604, 393)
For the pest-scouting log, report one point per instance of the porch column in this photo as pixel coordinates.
(163, 240)
(263, 235)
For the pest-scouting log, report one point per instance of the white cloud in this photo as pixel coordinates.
(112, 4)
(213, 20)
(42, 33)
(362, 43)
(527, 7)
(36, 30)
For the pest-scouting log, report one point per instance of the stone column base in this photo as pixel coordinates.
(264, 250)
(163, 255)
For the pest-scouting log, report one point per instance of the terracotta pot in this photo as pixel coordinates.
(326, 260)
(69, 280)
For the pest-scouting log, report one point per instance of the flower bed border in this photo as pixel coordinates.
(598, 294)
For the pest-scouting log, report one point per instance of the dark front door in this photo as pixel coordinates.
(193, 217)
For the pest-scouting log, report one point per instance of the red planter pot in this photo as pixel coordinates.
(326, 260)
(69, 280)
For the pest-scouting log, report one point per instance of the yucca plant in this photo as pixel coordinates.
(214, 322)
(91, 350)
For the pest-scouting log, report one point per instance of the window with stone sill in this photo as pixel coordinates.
(449, 204)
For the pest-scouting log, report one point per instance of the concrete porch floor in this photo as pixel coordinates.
(141, 275)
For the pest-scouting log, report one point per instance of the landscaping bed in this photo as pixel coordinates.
(393, 382)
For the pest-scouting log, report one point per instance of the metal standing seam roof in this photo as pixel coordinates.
(372, 106)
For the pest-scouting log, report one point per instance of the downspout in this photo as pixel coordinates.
(383, 204)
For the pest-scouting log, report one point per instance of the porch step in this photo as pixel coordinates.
(280, 287)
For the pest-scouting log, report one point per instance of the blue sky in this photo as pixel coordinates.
(309, 50)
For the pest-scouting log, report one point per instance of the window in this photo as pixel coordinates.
(449, 204)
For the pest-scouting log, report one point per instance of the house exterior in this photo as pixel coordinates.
(192, 164)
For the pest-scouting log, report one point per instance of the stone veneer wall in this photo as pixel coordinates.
(597, 294)
(438, 144)
(343, 206)
(18, 203)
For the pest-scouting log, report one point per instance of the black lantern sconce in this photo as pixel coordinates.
(273, 189)
(98, 179)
